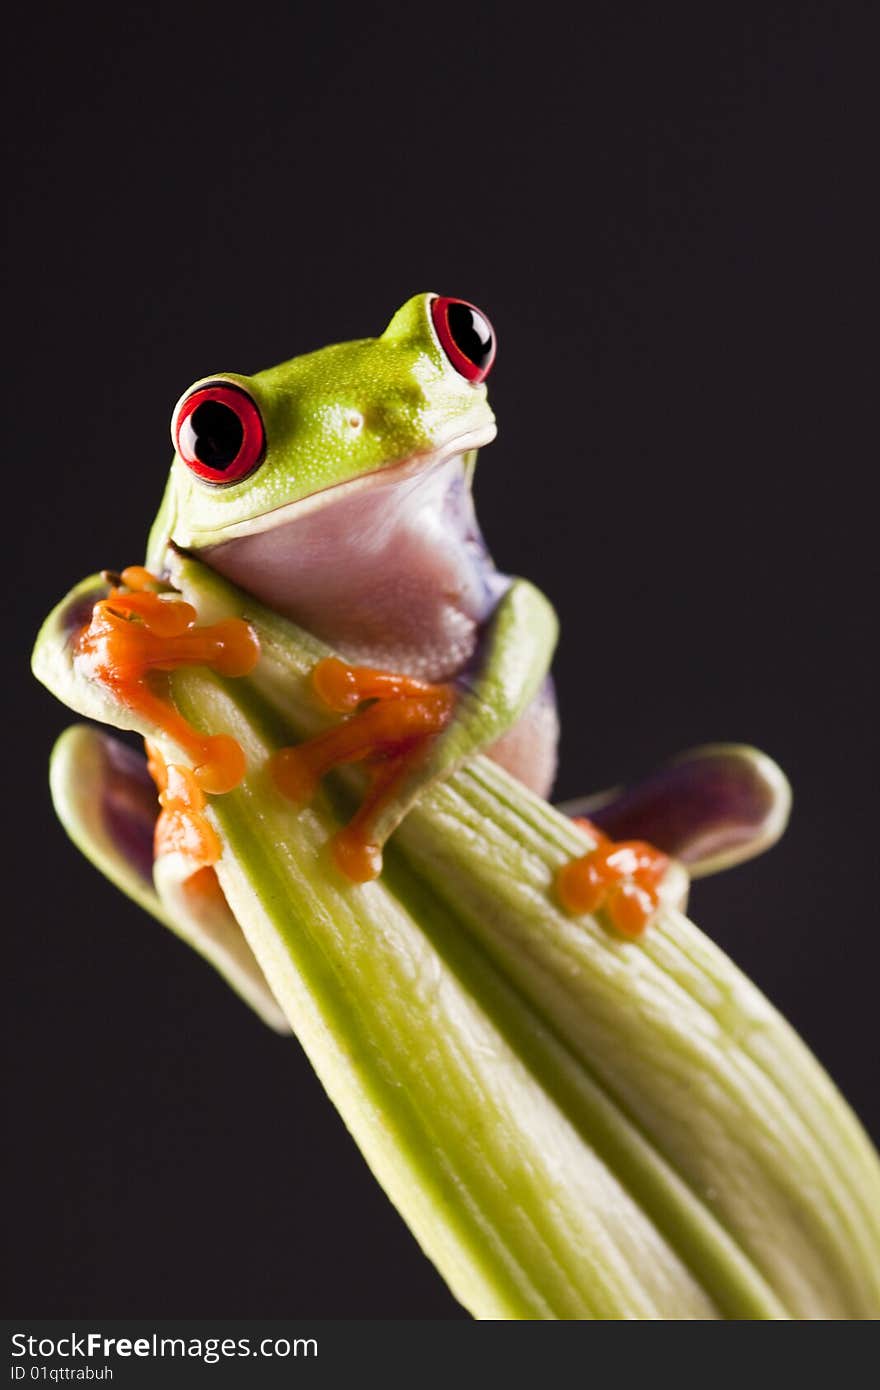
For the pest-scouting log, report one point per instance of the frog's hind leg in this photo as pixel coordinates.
(106, 801)
(709, 808)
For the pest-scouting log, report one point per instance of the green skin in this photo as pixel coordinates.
(358, 524)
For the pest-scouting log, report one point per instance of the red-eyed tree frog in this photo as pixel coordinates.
(336, 489)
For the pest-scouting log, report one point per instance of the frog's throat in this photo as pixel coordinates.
(401, 469)
(393, 575)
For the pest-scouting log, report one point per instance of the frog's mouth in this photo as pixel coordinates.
(397, 473)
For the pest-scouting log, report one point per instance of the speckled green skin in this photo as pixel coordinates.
(411, 399)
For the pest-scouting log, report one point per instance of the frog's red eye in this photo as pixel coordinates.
(466, 336)
(218, 433)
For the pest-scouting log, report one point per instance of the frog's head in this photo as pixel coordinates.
(254, 453)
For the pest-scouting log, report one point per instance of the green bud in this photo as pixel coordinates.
(574, 1125)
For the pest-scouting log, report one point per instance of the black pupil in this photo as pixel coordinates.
(471, 333)
(216, 434)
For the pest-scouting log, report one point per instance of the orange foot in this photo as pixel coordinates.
(391, 720)
(182, 825)
(622, 877)
(136, 633)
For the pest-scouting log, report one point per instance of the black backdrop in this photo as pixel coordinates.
(664, 212)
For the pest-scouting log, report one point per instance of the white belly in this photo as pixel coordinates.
(395, 575)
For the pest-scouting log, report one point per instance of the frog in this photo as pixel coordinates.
(337, 490)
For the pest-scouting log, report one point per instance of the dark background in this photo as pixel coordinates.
(664, 212)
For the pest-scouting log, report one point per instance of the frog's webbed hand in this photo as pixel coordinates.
(158, 850)
(414, 733)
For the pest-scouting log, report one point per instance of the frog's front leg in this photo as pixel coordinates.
(412, 733)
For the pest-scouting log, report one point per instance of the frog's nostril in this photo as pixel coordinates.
(356, 420)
